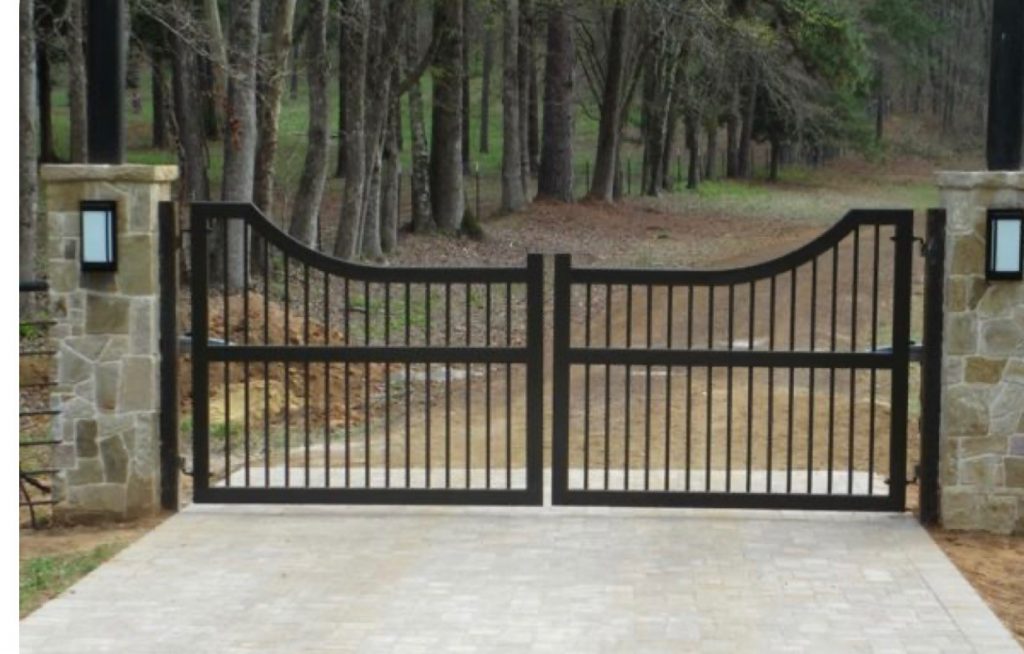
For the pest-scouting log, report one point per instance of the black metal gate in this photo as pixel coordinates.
(319, 380)
(780, 385)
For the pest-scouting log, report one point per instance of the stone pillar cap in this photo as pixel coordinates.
(997, 179)
(139, 173)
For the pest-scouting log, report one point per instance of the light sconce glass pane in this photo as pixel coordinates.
(96, 236)
(1006, 245)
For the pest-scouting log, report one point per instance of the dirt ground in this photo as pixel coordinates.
(995, 567)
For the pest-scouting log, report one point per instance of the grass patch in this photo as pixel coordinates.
(45, 577)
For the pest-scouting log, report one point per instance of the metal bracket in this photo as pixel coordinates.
(182, 465)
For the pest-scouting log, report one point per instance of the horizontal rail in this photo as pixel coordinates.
(361, 272)
(37, 353)
(385, 354)
(38, 323)
(41, 471)
(417, 496)
(41, 412)
(729, 358)
(781, 265)
(33, 286)
(35, 443)
(37, 502)
(697, 499)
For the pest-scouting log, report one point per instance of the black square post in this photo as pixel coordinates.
(105, 63)
(1006, 86)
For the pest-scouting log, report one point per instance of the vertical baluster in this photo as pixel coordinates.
(245, 339)
(689, 383)
(266, 364)
(707, 433)
(487, 400)
(728, 394)
(348, 391)
(227, 376)
(629, 383)
(387, 388)
(287, 380)
(853, 348)
(792, 370)
(874, 348)
(811, 372)
(469, 378)
(832, 371)
(750, 384)
(771, 385)
(669, 290)
(647, 395)
(327, 382)
(426, 407)
(508, 388)
(366, 384)
(447, 388)
(408, 385)
(305, 364)
(607, 384)
(586, 394)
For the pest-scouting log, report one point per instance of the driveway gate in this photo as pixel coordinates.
(779, 385)
(319, 380)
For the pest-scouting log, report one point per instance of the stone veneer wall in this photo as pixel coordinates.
(981, 473)
(106, 340)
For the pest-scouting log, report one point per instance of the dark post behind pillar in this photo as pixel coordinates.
(1006, 86)
(105, 61)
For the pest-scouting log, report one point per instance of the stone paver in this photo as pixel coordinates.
(409, 579)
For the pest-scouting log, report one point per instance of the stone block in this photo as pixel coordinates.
(983, 471)
(136, 268)
(63, 276)
(983, 370)
(968, 257)
(966, 412)
(72, 367)
(64, 456)
(141, 496)
(85, 438)
(1014, 471)
(117, 347)
(100, 281)
(138, 385)
(106, 314)
(143, 327)
(89, 471)
(1002, 337)
(104, 499)
(959, 508)
(115, 459)
(88, 346)
(108, 379)
(998, 513)
(961, 334)
(1009, 401)
(999, 300)
(1016, 447)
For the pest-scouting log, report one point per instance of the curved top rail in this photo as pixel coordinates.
(746, 274)
(332, 265)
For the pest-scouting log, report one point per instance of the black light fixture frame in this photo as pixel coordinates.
(98, 205)
(991, 273)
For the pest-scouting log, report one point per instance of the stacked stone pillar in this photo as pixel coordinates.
(106, 340)
(981, 473)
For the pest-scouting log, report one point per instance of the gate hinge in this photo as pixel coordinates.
(184, 468)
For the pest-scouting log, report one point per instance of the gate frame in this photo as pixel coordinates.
(203, 353)
(897, 361)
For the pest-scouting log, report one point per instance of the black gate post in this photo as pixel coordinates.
(535, 380)
(560, 381)
(903, 244)
(931, 366)
(168, 357)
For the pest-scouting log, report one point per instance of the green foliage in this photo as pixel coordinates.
(47, 576)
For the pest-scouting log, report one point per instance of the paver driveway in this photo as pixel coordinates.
(367, 579)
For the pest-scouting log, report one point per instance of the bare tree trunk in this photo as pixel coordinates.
(744, 157)
(391, 173)
(485, 89)
(422, 219)
(44, 92)
(533, 122)
(28, 182)
(512, 196)
(602, 187)
(446, 183)
(693, 146)
(524, 56)
(240, 141)
(711, 156)
(355, 19)
(465, 87)
(732, 142)
(775, 160)
(193, 157)
(157, 88)
(339, 171)
(306, 218)
(276, 67)
(76, 80)
(555, 179)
